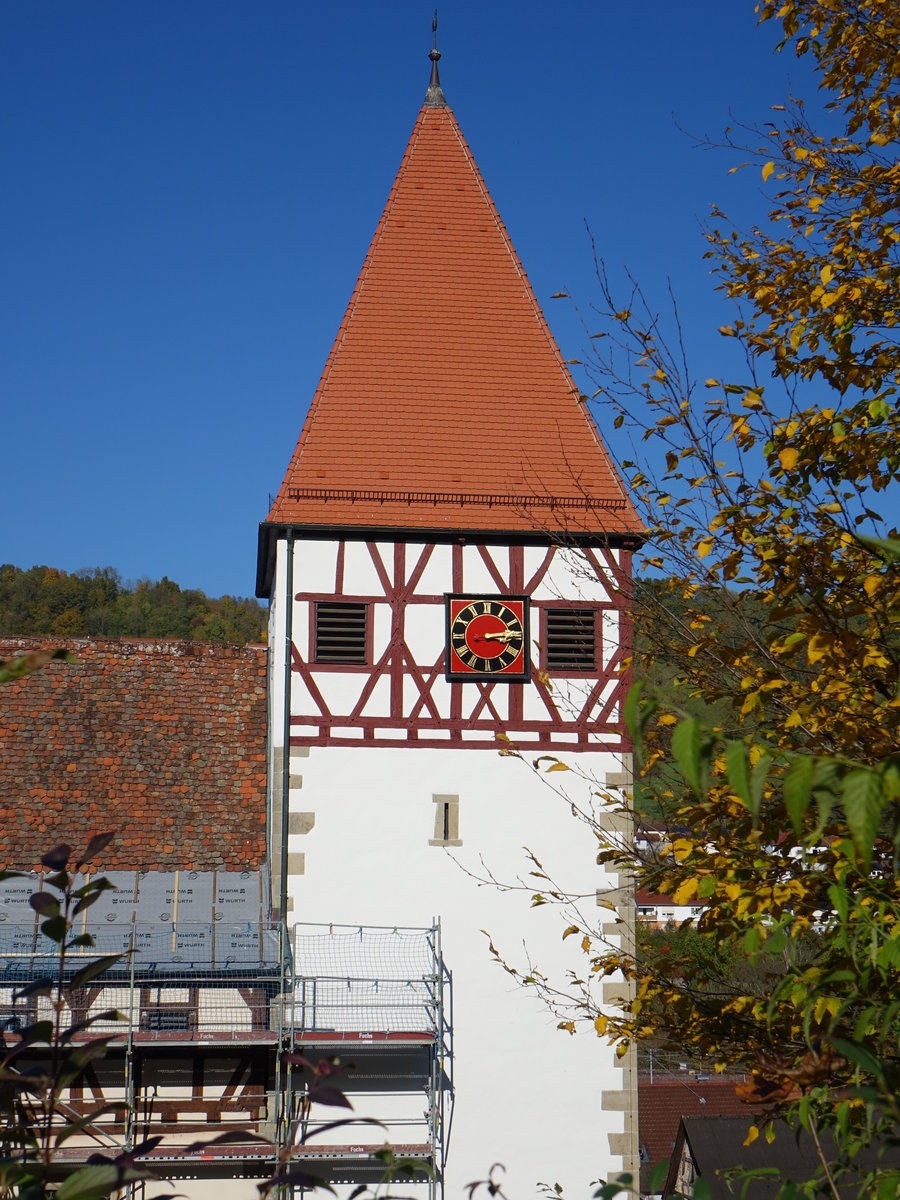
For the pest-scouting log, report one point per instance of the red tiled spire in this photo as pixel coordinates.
(445, 402)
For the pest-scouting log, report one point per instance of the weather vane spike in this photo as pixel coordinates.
(434, 97)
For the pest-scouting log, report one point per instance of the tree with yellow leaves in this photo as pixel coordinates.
(771, 503)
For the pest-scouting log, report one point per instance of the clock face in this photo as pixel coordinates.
(487, 638)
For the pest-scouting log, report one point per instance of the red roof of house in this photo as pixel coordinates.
(642, 896)
(663, 1103)
(162, 741)
(445, 403)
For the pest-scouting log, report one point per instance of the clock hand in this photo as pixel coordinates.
(506, 636)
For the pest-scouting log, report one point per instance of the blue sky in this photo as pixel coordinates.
(189, 189)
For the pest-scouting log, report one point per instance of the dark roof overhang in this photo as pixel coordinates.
(270, 533)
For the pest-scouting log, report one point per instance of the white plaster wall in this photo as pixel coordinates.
(528, 1095)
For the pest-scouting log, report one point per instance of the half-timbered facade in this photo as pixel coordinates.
(448, 563)
(380, 680)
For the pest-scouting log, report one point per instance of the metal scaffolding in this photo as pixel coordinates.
(376, 1002)
(225, 1026)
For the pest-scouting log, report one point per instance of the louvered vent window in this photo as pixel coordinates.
(571, 639)
(167, 1020)
(341, 633)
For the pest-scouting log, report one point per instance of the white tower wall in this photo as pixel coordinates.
(363, 847)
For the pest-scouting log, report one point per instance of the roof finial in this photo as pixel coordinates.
(434, 97)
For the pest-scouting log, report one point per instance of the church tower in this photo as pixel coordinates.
(448, 566)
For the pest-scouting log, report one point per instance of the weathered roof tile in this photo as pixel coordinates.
(161, 740)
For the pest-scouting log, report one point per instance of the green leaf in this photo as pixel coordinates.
(57, 859)
(44, 904)
(758, 777)
(611, 1188)
(890, 779)
(55, 929)
(886, 548)
(71, 1128)
(97, 845)
(840, 900)
(798, 789)
(94, 1182)
(863, 800)
(25, 664)
(739, 773)
(658, 1176)
(860, 1056)
(93, 969)
(687, 752)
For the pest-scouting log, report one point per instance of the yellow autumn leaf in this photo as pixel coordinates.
(600, 1024)
(788, 458)
(704, 546)
(827, 273)
(817, 647)
(752, 1135)
(872, 656)
(685, 890)
(767, 170)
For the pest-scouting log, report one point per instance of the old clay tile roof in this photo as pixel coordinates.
(160, 740)
(445, 402)
(662, 1104)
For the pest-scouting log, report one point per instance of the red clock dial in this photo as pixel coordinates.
(487, 636)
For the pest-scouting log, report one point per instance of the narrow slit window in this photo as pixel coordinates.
(446, 821)
(571, 639)
(341, 632)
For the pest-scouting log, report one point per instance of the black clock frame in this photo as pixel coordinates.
(470, 676)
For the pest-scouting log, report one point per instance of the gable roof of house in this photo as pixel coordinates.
(445, 402)
(161, 740)
(720, 1153)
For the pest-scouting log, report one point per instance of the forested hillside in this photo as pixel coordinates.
(95, 602)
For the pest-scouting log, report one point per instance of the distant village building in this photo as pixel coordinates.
(657, 911)
(664, 1097)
